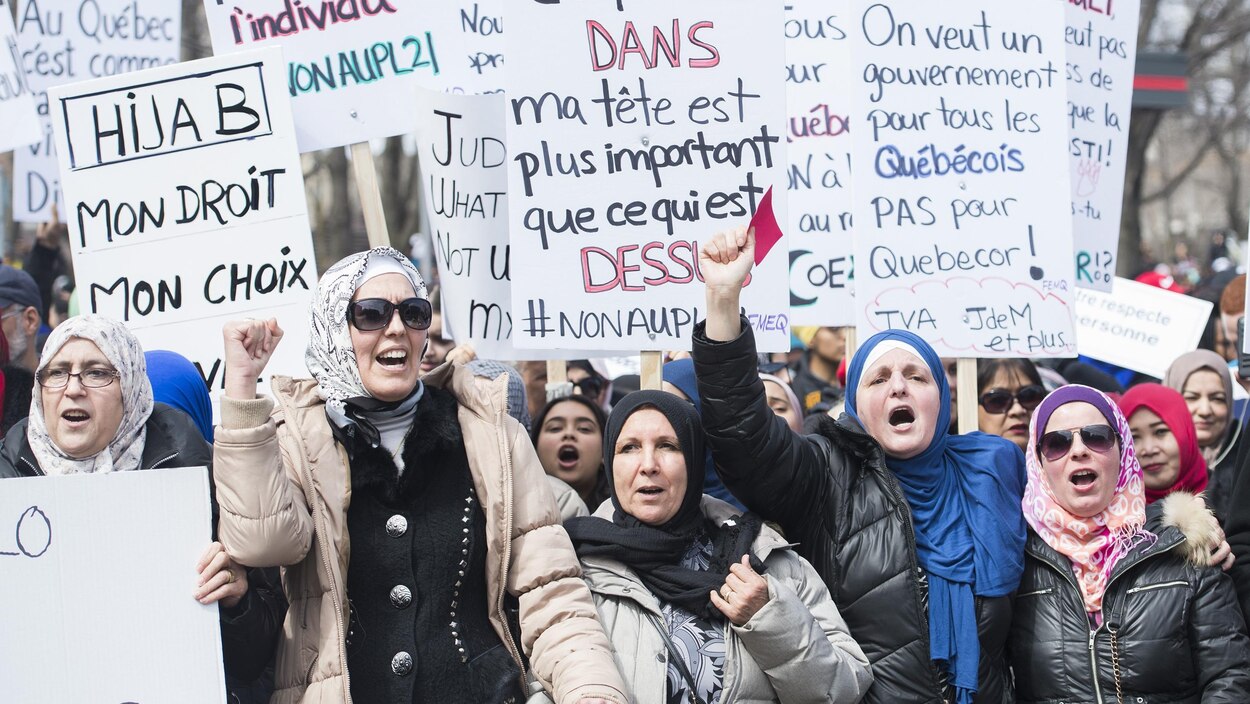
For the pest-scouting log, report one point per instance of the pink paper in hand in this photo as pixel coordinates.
(767, 232)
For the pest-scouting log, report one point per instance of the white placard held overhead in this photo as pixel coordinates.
(97, 598)
(962, 228)
(818, 58)
(1138, 326)
(19, 123)
(185, 204)
(352, 65)
(470, 36)
(634, 136)
(460, 140)
(1102, 53)
(66, 41)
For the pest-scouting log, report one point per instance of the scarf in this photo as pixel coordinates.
(1170, 406)
(176, 382)
(964, 493)
(655, 552)
(1178, 375)
(118, 345)
(1095, 544)
(331, 358)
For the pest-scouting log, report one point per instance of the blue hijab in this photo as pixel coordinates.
(681, 375)
(965, 493)
(176, 382)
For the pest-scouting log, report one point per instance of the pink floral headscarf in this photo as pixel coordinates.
(1094, 544)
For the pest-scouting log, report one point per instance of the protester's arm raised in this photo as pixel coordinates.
(725, 262)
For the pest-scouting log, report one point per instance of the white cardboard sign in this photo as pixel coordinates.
(635, 135)
(65, 41)
(186, 204)
(352, 65)
(97, 596)
(1102, 52)
(19, 123)
(818, 60)
(460, 140)
(470, 34)
(1137, 326)
(962, 233)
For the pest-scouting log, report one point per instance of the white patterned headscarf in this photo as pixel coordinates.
(119, 346)
(330, 358)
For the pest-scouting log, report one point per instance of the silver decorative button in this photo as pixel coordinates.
(396, 526)
(401, 597)
(401, 664)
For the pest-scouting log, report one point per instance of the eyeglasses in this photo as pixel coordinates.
(590, 386)
(1056, 443)
(370, 314)
(95, 378)
(1001, 400)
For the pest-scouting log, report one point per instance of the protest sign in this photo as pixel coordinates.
(1102, 52)
(818, 60)
(97, 598)
(352, 65)
(635, 134)
(17, 102)
(960, 187)
(186, 204)
(460, 141)
(470, 35)
(1137, 326)
(64, 41)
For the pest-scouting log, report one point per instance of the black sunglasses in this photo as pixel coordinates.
(370, 314)
(1000, 400)
(1056, 443)
(590, 386)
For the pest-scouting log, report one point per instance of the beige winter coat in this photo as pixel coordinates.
(795, 649)
(284, 488)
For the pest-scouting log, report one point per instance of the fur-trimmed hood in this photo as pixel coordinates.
(1188, 513)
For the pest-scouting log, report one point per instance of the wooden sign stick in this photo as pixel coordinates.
(370, 196)
(966, 371)
(652, 372)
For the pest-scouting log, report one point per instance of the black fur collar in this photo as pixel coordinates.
(434, 441)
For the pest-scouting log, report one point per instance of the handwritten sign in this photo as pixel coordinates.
(1139, 327)
(64, 41)
(352, 65)
(186, 204)
(17, 103)
(818, 59)
(634, 135)
(1102, 52)
(96, 601)
(470, 34)
(960, 186)
(465, 187)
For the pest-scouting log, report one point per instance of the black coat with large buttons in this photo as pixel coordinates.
(1174, 629)
(832, 493)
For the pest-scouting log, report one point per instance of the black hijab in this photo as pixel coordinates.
(655, 552)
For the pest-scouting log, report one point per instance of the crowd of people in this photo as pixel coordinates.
(411, 523)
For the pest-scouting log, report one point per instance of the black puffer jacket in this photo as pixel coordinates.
(832, 493)
(1179, 637)
(249, 632)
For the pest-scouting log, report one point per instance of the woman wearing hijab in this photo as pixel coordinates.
(1203, 379)
(176, 382)
(1165, 441)
(93, 413)
(429, 487)
(1117, 602)
(735, 615)
(918, 534)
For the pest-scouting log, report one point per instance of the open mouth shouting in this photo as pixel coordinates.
(393, 359)
(1083, 480)
(902, 418)
(567, 457)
